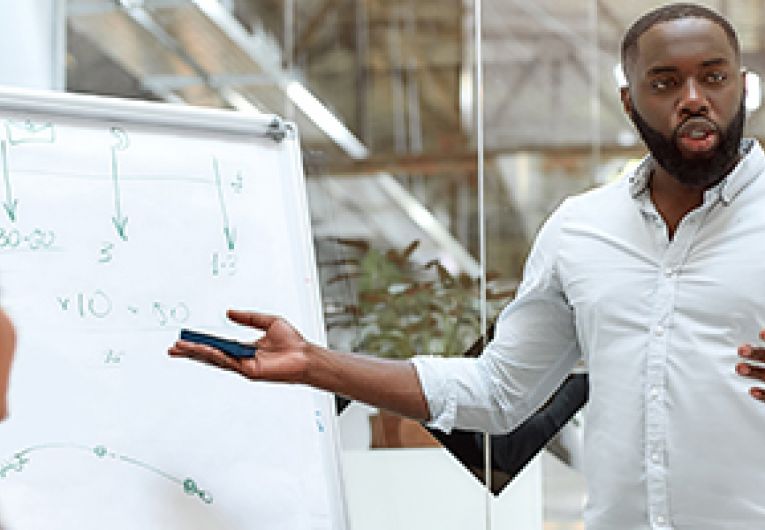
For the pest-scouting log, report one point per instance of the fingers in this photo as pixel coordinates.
(251, 319)
(205, 354)
(752, 353)
(753, 371)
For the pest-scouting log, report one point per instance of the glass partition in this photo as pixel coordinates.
(397, 234)
(542, 85)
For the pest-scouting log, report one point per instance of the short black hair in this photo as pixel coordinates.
(673, 12)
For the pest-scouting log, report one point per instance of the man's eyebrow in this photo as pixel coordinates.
(662, 70)
(715, 62)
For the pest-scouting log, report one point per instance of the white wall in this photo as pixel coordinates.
(415, 489)
(32, 43)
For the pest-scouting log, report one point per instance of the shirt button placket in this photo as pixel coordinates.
(656, 450)
(655, 407)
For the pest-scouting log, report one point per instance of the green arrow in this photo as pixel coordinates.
(229, 232)
(9, 204)
(119, 221)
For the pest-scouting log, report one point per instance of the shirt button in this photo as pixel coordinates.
(658, 331)
(655, 458)
(669, 271)
(655, 392)
(661, 520)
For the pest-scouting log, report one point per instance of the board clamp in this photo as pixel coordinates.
(277, 129)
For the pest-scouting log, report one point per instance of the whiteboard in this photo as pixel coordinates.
(122, 222)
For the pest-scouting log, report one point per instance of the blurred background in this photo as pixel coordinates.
(385, 94)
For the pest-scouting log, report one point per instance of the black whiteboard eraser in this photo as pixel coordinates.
(231, 348)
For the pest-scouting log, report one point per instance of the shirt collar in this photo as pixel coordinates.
(748, 168)
(641, 176)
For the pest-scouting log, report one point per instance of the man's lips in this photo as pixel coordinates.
(697, 135)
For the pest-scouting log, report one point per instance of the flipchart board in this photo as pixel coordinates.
(121, 223)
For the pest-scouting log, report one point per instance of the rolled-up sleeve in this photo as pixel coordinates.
(534, 349)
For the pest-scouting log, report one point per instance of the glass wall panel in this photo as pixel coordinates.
(396, 233)
(546, 72)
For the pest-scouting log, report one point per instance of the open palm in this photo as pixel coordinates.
(280, 354)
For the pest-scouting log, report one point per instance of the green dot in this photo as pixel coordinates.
(206, 497)
(100, 451)
(190, 487)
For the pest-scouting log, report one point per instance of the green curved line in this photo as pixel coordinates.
(20, 459)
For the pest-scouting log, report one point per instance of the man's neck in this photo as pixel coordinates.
(673, 200)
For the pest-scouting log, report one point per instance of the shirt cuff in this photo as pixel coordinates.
(434, 380)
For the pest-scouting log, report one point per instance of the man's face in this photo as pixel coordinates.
(686, 99)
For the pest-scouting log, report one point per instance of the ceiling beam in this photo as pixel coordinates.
(438, 95)
(610, 100)
(605, 13)
(512, 94)
(465, 162)
(308, 34)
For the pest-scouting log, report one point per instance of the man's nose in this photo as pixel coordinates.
(692, 99)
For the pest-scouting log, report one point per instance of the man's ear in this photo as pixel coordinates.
(626, 100)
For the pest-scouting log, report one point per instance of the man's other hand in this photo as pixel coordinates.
(752, 370)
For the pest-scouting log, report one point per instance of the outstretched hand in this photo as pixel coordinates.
(753, 371)
(281, 354)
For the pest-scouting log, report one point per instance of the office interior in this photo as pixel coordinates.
(437, 135)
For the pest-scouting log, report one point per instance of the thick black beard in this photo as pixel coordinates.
(694, 172)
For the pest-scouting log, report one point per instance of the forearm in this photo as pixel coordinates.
(388, 384)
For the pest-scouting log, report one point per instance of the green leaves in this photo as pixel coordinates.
(405, 308)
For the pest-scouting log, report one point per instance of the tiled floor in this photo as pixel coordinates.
(563, 495)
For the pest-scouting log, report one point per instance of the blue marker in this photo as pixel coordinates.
(231, 348)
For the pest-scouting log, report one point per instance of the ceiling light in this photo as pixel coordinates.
(326, 121)
(753, 84)
(621, 79)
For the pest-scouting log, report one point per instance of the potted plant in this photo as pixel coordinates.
(401, 308)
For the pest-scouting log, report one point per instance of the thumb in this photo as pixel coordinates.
(251, 319)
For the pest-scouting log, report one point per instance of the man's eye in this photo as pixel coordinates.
(715, 77)
(662, 83)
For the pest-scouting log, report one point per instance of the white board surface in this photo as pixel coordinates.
(121, 223)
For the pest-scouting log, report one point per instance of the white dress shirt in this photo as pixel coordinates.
(672, 437)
